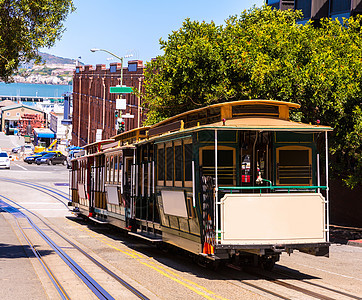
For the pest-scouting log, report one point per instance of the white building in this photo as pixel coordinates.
(62, 132)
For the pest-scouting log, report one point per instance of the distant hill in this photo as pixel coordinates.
(52, 59)
(54, 70)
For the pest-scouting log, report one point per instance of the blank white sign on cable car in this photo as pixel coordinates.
(174, 203)
(278, 218)
(112, 195)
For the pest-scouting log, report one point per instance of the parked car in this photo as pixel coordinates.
(4, 160)
(72, 154)
(27, 148)
(16, 149)
(31, 159)
(52, 158)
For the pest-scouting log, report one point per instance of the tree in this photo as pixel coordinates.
(265, 54)
(26, 26)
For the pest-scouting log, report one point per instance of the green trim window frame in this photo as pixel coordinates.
(174, 163)
(294, 165)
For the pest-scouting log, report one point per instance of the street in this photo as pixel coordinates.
(155, 273)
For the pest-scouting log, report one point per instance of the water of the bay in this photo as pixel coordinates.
(33, 90)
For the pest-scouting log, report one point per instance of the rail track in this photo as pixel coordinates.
(276, 284)
(19, 212)
(303, 287)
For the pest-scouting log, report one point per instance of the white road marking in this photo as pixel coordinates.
(21, 167)
(48, 209)
(42, 203)
(333, 273)
(42, 172)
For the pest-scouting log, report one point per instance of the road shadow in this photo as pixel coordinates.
(182, 261)
(8, 251)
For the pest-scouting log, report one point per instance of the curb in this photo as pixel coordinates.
(357, 243)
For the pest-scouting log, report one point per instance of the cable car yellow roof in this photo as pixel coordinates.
(266, 124)
(226, 109)
(269, 115)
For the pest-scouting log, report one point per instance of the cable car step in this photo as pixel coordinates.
(154, 238)
(98, 221)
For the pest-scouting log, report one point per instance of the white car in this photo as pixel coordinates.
(4, 160)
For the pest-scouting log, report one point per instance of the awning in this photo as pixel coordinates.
(46, 135)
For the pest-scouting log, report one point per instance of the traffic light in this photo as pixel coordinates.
(122, 127)
(116, 113)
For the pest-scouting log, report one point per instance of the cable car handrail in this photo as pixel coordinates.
(273, 187)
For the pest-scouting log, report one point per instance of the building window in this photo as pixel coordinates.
(305, 6)
(273, 3)
(132, 67)
(18, 114)
(339, 6)
(113, 69)
(7, 114)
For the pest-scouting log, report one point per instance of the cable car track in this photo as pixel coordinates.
(52, 192)
(87, 279)
(63, 294)
(319, 286)
(305, 291)
(95, 287)
(61, 195)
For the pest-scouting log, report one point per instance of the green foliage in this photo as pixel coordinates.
(26, 26)
(265, 54)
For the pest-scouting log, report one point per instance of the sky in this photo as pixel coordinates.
(134, 27)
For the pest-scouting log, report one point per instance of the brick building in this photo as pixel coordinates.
(94, 106)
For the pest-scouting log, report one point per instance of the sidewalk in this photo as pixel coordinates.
(357, 243)
(8, 142)
(347, 236)
(17, 276)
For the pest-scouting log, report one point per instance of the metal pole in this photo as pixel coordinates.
(327, 185)
(318, 173)
(143, 181)
(121, 71)
(133, 176)
(216, 217)
(153, 177)
(149, 180)
(193, 184)
(122, 178)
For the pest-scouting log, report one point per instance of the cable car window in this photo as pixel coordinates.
(188, 162)
(111, 169)
(255, 110)
(170, 165)
(120, 158)
(178, 163)
(294, 166)
(190, 208)
(226, 165)
(160, 165)
(106, 170)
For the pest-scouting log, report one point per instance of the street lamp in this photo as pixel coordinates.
(120, 58)
(121, 124)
